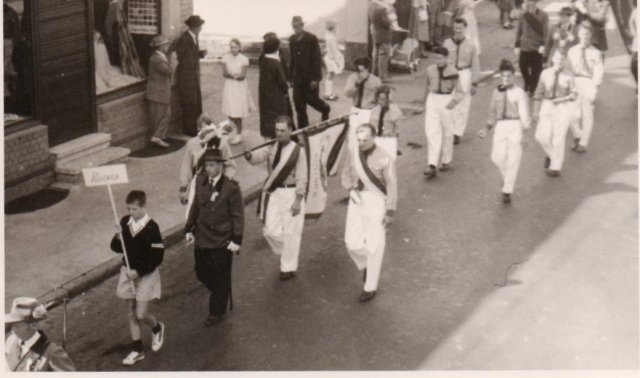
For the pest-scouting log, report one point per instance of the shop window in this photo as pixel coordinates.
(18, 61)
(117, 60)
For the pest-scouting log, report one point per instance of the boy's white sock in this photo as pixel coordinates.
(328, 87)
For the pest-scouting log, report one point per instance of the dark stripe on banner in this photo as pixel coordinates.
(337, 147)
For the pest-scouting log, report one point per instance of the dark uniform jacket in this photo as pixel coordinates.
(145, 249)
(215, 223)
(188, 70)
(306, 59)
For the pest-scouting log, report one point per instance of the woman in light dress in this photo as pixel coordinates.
(236, 99)
(333, 60)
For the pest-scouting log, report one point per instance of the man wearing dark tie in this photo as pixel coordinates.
(188, 73)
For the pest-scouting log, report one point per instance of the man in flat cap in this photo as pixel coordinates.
(188, 74)
(215, 223)
(158, 95)
(27, 348)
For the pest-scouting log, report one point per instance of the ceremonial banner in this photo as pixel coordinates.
(324, 148)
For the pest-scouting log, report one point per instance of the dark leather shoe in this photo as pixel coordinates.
(547, 162)
(366, 296)
(576, 143)
(580, 149)
(431, 172)
(445, 167)
(456, 139)
(553, 173)
(364, 275)
(212, 320)
(506, 198)
(286, 275)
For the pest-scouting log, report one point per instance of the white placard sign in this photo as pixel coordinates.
(105, 175)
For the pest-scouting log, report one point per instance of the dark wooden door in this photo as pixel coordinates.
(64, 68)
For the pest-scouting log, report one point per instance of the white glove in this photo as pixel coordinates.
(233, 247)
(189, 237)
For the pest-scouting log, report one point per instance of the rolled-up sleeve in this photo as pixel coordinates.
(301, 174)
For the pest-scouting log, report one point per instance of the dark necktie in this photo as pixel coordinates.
(383, 111)
(555, 85)
(440, 78)
(585, 65)
(458, 43)
(360, 93)
(506, 103)
(276, 160)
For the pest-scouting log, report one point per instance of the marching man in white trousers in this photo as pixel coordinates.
(463, 55)
(443, 92)
(370, 177)
(281, 205)
(552, 111)
(509, 113)
(588, 67)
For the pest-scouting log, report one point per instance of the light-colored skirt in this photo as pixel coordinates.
(236, 99)
(336, 65)
(148, 287)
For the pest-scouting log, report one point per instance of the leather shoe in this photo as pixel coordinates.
(431, 172)
(553, 173)
(366, 296)
(212, 320)
(580, 149)
(445, 167)
(576, 143)
(547, 162)
(506, 198)
(456, 139)
(286, 275)
(364, 275)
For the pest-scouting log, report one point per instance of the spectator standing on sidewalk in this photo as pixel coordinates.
(306, 72)
(419, 25)
(333, 60)
(188, 74)
(381, 34)
(273, 91)
(506, 7)
(158, 93)
(140, 284)
(216, 224)
(28, 349)
(236, 99)
(531, 36)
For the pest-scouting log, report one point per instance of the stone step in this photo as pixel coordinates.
(77, 148)
(71, 172)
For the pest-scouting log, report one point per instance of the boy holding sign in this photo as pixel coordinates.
(141, 282)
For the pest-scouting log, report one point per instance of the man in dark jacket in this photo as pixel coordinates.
(216, 219)
(531, 37)
(273, 91)
(188, 72)
(305, 72)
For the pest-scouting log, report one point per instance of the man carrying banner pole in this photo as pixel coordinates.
(370, 177)
(361, 87)
(282, 203)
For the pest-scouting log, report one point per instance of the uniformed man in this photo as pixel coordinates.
(509, 114)
(464, 57)
(595, 12)
(370, 177)
(586, 62)
(215, 223)
(361, 88)
(27, 348)
(552, 110)
(281, 206)
(443, 92)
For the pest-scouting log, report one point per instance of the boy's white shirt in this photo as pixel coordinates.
(136, 226)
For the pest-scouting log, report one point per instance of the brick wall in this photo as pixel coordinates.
(125, 119)
(28, 165)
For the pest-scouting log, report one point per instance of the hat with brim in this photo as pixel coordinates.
(27, 310)
(213, 154)
(566, 11)
(159, 40)
(297, 20)
(194, 21)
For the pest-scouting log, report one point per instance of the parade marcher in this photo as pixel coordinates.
(333, 60)
(463, 55)
(468, 13)
(209, 135)
(370, 177)
(446, 18)
(236, 98)
(509, 114)
(158, 94)
(306, 73)
(215, 224)
(442, 93)
(597, 13)
(282, 202)
(273, 91)
(384, 118)
(552, 111)
(139, 282)
(188, 74)
(531, 36)
(588, 68)
(361, 88)
(381, 35)
(434, 7)
(564, 34)
(28, 349)
(505, 7)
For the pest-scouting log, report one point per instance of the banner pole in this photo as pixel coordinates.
(124, 249)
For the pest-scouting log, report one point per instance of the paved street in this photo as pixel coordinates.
(464, 280)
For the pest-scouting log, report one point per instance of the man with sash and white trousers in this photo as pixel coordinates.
(370, 177)
(282, 202)
(588, 68)
(464, 57)
(442, 93)
(361, 87)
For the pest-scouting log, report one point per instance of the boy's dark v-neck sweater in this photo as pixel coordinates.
(145, 250)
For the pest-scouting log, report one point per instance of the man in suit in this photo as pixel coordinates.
(188, 72)
(158, 94)
(305, 73)
(215, 223)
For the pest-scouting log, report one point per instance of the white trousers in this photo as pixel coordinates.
(438, 129)
(461, 111)
(582, 123)
(365, 235)
(506, 152)
(282, 230)
(552, 128)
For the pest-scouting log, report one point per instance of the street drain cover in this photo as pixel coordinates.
(36, 201)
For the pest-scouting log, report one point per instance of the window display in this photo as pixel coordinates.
(18, 64)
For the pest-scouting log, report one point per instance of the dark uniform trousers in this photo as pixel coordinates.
(213, 269)
(531, 68)
(304, 95)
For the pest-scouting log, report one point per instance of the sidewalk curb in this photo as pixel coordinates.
(102, 272)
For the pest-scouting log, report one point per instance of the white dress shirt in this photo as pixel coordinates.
(136, 226)
(26, 345)
(587, 62)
